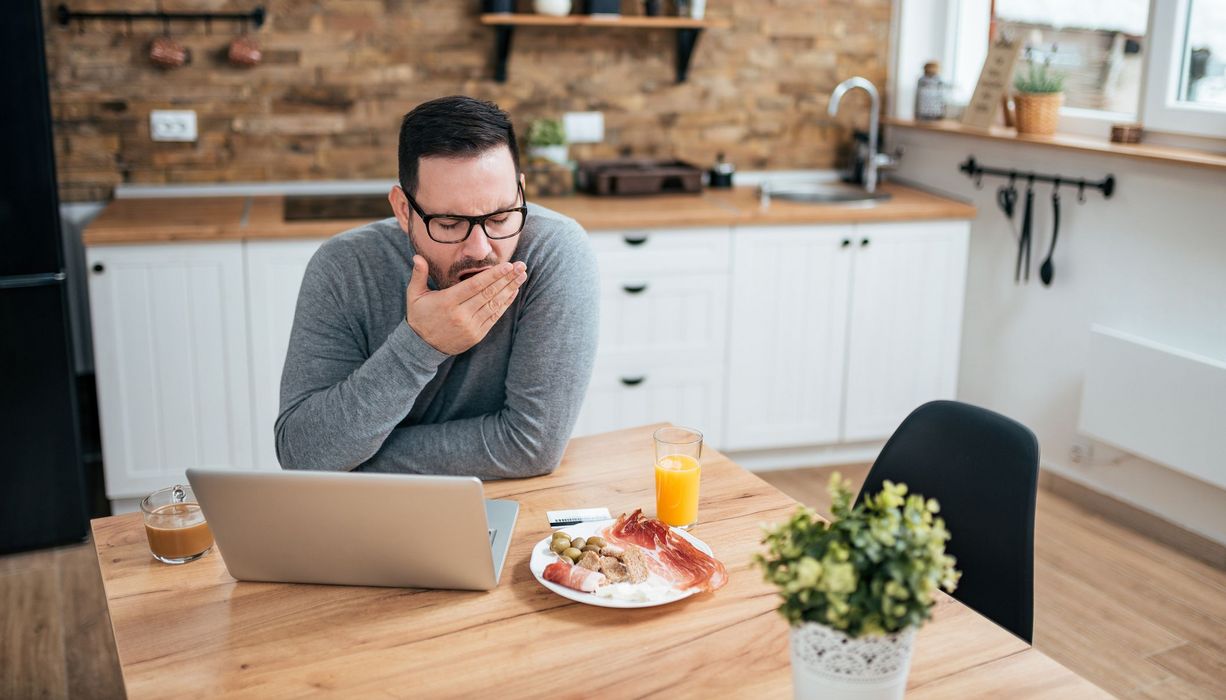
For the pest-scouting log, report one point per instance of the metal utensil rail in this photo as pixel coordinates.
(974, 170)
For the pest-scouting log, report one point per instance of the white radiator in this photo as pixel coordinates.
(1158, 402)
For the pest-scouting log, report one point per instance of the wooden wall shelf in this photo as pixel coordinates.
(688, 30)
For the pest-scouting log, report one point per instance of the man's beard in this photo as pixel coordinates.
(452, 277)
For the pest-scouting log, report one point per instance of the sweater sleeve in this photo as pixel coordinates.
(550, 365)
(337, 405)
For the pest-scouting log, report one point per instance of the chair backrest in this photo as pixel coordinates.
(984, 469)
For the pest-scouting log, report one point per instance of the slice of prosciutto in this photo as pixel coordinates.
(680, 562)
(575, 577)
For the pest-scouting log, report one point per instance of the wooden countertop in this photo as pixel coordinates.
(240, 218)
(193, 631)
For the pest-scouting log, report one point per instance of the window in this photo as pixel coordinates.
(1097, 45)
(1160, 62)
(1186, 83)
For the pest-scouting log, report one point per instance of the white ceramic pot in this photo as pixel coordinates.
(555, 154)
(557, 8)
(828, 664)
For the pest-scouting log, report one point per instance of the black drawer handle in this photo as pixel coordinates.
(864, 242)
(634, 288)
(99, 268)
(633, 381)
(846, 242)
(636, 240)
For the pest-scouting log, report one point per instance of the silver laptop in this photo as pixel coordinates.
(356, 529)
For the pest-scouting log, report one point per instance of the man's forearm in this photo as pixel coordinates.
(340, 426)
(499, 445)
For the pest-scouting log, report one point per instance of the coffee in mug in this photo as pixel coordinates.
(175, 525)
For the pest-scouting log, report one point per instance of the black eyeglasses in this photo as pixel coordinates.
(456, 228)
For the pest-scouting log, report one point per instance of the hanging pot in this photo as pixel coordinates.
(245, 52)
(830, 665)
(166, 53)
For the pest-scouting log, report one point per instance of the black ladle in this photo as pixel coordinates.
(1046, 270)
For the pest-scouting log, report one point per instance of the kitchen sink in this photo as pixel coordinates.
(820, 193)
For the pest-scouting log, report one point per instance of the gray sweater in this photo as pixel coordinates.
(362, 391)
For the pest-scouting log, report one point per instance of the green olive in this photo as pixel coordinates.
(559, 546)
(578, 543)
(596, 541)
(561, 536)
(567, 559)
(590, 548)
(572, 554)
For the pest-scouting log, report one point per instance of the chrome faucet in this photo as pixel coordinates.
(875, 160)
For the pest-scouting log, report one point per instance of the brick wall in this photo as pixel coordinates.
(338, 75)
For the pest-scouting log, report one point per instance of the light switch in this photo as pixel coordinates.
(583, 127)
(172, 124)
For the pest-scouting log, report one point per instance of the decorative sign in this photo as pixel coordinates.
(993, 85)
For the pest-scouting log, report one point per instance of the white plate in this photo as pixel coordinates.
(542, 557)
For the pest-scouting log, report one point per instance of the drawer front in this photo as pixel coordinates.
(625, 394)
(681, 318)
(674, 251)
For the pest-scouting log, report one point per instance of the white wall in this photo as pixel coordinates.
(1151, 261)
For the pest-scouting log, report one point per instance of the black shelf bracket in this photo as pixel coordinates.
(974, 170)
(256, 16)
(503, 34)
(687, 40)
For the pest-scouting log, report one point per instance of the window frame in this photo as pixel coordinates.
(1160, 110)
(911, 45)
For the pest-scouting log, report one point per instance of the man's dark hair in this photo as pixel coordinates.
(455, 126)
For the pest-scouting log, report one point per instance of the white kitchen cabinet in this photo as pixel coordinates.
(274, 272)
(906, 322)
(663, 330)
(628, 393)
(666, 317)
(170, 350)
(788, 328)
(838, 332)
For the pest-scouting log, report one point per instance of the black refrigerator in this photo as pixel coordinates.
(42, 476)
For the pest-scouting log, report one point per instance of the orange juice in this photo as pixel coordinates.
(677, 490)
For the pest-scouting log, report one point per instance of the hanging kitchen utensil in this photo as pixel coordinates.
(1046, 270)
(165, 52)
(1023, 243)
(1006, 199)
(245, 50)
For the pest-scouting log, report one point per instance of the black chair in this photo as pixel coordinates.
(984, 469)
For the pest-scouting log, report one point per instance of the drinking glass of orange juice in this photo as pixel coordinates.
(678, 467)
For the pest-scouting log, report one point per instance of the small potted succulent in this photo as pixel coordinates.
(547, 141)
(856, 589)
(1038, 94)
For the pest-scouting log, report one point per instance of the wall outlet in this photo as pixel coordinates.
(583, 127)
(172, 125)
(1081, 452)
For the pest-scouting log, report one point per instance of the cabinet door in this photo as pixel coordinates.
(170, 348)
(682, 318)
(787, 333)
(628, 394)
(906, 322)
(274, 274)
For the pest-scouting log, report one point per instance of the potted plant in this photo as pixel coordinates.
(856, 589)
(1039, 92)
(547, 141)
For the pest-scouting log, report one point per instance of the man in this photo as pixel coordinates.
(456, 338)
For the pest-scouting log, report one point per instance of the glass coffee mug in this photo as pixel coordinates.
(175, 525)
(678, 468)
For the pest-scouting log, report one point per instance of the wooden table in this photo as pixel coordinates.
(193, 631)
